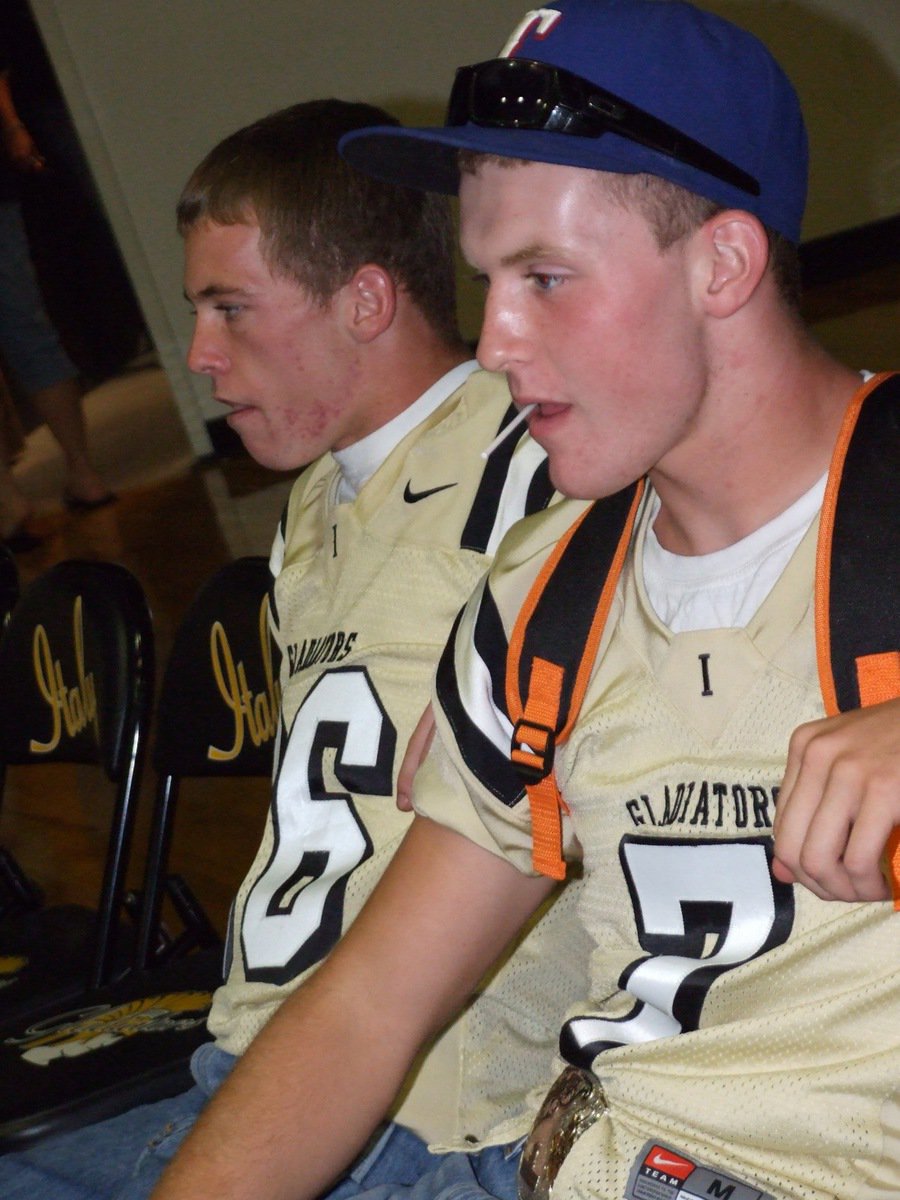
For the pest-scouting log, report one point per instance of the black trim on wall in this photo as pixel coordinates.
(850, 253)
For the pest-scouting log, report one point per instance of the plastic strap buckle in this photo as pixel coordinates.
(533, 749)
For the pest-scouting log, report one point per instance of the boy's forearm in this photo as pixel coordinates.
(282, 1125)
(314, 1084)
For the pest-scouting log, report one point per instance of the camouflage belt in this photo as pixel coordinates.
(572, 1105)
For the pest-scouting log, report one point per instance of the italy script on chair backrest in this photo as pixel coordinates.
(73, 705)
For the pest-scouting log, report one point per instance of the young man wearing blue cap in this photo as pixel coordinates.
(631, 188)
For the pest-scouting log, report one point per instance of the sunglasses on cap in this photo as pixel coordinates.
(520, 93)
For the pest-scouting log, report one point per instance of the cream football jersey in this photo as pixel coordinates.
(364, 598)
(731, 1020)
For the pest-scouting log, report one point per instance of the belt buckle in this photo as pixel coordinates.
(572, 1105)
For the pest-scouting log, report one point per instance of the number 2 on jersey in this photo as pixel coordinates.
(294, 912)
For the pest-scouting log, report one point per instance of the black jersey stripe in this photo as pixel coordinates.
(282, 533)
(274, 618)
(491, 646)
(490, 766)
(482, 518)
(540, 490)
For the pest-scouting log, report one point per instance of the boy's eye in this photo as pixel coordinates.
(544, 281)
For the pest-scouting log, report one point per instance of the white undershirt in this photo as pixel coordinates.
(359, 462)
(724, 589)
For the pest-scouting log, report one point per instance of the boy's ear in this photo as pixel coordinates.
(369, 302)
(736, 249)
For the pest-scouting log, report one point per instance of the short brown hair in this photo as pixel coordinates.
(319, 218)
(672, 212)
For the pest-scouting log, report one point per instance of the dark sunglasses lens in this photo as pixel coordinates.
(513, 95)
(508, 94)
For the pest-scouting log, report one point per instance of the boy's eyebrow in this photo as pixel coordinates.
(212, 290)
(535, 250)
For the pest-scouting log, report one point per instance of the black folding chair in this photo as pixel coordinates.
(9, 584)
(131, 1042)
(76, 681)
(18, 893)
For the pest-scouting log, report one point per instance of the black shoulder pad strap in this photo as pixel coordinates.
(551, 653)
(556, 621)
(858, 562)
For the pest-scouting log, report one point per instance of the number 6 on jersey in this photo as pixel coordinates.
(294, 911)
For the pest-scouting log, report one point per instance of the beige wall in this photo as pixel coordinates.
(154, 83)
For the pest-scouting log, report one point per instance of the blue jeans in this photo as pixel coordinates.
(28, 341)
(122, 1158)
(118, 1159)
(400, 1167)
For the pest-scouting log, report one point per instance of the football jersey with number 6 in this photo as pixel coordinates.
(364, 597)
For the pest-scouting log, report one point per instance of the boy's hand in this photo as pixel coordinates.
(418, 747)
(839, 803)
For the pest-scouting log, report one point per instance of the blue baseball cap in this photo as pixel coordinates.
(628, 86)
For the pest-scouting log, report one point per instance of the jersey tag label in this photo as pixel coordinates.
(660, 1173)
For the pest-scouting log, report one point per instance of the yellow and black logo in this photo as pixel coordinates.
(82, 1031)
(11, 967)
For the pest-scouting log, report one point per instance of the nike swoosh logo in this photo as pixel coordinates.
(660, 1160)
(412, 497)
